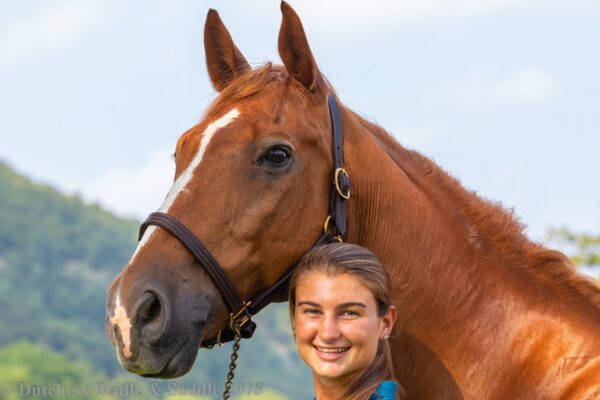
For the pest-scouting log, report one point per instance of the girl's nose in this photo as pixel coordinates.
(328, 329)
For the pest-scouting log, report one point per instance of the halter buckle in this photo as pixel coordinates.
(342, 183)
(240, 318)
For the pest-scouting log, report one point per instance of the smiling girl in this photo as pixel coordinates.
(342, 316)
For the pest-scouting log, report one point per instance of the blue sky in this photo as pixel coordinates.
(504, 94)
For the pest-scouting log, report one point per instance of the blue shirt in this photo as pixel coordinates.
(385, 391)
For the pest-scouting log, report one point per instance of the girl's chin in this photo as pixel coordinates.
(329, 367)
(333, 374)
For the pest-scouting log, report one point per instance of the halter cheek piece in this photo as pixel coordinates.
(241, 312)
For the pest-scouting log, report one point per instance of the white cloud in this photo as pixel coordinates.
(524, 87)
(135, 192)
(48, 30)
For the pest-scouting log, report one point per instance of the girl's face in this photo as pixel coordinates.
(337, 325)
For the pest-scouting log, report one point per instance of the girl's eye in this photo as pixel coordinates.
(349, 314)
(276, 157)
(311, 311)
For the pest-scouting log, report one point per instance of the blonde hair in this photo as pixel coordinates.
(343, 258)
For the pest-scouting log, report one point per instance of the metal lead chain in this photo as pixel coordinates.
(232, 365)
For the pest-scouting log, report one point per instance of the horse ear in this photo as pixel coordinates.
(224, 60)
(294, 50)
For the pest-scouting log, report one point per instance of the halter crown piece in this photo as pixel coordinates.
(241, 312)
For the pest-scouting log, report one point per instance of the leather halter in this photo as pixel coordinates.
(241, 312)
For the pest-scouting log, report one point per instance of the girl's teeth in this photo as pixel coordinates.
(332, 350)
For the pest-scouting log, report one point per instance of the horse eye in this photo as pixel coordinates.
(276, 157)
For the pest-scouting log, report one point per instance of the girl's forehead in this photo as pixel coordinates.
(319, 286)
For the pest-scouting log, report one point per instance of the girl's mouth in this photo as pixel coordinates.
(330, 353)
(332, 349)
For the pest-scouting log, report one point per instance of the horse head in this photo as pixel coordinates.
(252, 181)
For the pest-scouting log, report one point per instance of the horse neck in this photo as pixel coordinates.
(459, 264)
(395, 212)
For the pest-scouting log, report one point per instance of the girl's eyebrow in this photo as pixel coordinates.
(309, 303)
(351, 304)
(343, 305)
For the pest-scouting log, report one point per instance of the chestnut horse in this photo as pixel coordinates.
(484, 312)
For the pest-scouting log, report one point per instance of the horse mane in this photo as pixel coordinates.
(495, 225)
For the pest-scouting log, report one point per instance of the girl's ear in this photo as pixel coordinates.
(389, 319)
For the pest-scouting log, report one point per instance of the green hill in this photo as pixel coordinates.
(57, 257)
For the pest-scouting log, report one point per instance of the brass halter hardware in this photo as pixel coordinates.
(232, 365)
(326, 225)
(327, 230)
(240, 318)
(336, 179)
(235, 323)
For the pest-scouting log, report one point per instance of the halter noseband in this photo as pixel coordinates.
(241, 312)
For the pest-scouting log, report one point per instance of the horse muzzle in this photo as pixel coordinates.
(147, 339)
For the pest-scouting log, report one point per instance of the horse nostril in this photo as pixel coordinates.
(151, 317)
(150, 309)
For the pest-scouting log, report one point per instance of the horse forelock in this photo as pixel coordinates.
(245, 86)
(492, 226)
(255, 81)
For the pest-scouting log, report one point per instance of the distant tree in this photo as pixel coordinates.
(31, 370)
(584, 249)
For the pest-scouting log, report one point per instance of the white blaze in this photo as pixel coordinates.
(122, 321)
(181, 183)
